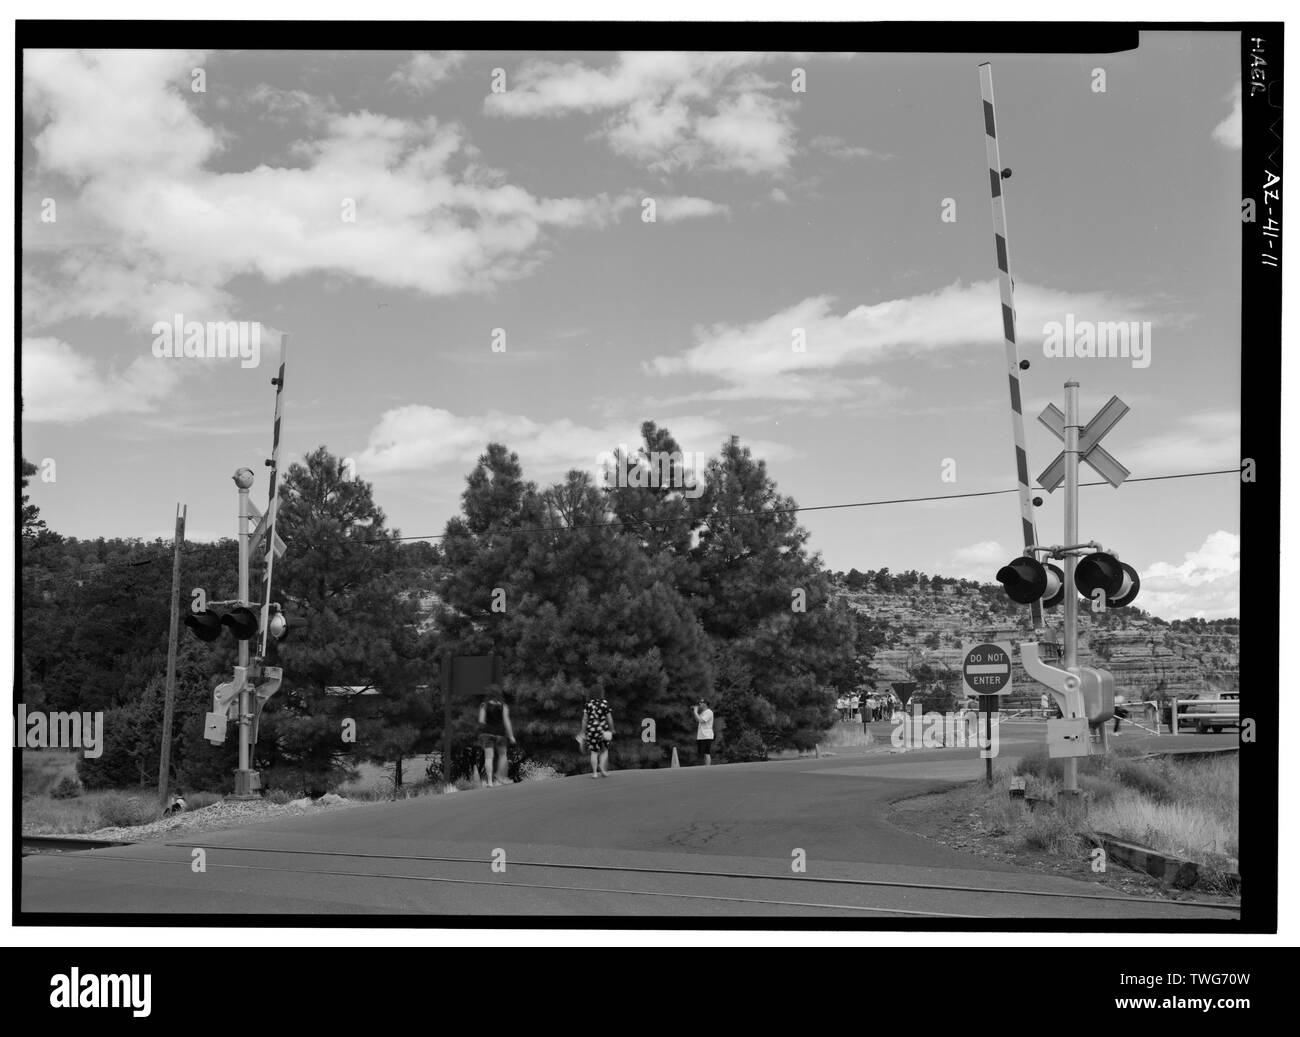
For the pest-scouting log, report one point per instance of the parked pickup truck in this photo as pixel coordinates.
(1230, 714)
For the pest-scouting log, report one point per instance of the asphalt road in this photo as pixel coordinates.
(699, 842)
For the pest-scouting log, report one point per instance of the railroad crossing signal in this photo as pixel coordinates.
(259, 531)
(986, 670)
(1027, 580)
(1090, 448)
(237, 616)
(1101, 571)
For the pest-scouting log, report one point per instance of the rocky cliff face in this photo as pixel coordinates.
(924, 626)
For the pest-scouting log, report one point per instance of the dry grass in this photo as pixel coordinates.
(1183, 807)
(531, 770)
(1186, 808)
(1184, 831)
(373, 776)
(1197, 820)
(43, 768)
(43, 815)
(1051, 832)
(846, 735)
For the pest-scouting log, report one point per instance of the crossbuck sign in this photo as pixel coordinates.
(1090, 448)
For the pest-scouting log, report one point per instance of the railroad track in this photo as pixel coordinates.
(744, 887)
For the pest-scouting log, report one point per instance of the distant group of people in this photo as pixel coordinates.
(868, 707)
(595, 733)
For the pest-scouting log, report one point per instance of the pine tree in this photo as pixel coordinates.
(780, 651)
(575, 607)
(31, 520)
(341, 573)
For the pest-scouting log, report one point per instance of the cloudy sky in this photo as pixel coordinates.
(391, 211)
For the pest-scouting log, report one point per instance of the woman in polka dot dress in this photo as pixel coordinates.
(597, 722)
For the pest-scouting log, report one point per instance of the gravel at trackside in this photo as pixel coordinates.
(234, 814)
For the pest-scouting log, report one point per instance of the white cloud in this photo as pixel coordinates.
(759, 359)
(978, 561)
(422, 438)
(1202, 441)
(115, 110)
(427, 69)
(61, 385)
(684, 207)
(167, 228)
(1205, 584)
(667, 111)
(837, 147)
(1228, 133)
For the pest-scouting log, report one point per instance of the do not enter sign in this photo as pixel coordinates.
(986, 670)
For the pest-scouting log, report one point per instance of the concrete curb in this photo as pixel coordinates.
(1190, 754)
(1179, 873)
(66, 844)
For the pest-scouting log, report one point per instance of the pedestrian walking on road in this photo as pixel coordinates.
(494, 733)
(704, 732)
(597, 733)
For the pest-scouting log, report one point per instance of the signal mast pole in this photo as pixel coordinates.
(1070, 652)
(244, 775)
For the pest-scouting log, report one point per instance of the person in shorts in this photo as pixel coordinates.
(704, 732)
(494, 732)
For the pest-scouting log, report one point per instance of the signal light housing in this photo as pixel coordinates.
(206, 626)
(239, 617)
(1100, 571)
(1055, 592)
(1026, 580)
(242, 621)
(1128, 589)
(281, 626)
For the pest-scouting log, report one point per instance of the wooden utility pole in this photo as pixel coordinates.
(169, 700)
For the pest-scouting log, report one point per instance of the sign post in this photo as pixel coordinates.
(246, 780)
(169, 692)
(463, 677)
(986, 672)
(1080, 443)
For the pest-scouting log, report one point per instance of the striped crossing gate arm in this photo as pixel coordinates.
(273, 500)
(1027, 526)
